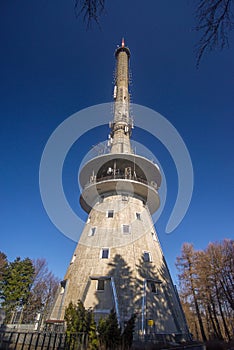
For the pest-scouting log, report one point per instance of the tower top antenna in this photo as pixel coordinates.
(123, 44)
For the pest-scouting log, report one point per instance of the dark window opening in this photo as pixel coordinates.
(110, 213)
(153, 287)
(138, 216)
(105, 253)
(92, 231)
(100, 285)
(146, 257)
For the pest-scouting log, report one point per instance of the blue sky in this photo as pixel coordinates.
(52, 67)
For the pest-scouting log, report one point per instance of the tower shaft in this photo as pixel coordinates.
(122, 125)
(118, 262)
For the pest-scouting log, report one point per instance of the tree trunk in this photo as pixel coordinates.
(198, 315)
(222, 316)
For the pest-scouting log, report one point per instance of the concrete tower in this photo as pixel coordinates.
(118, 262)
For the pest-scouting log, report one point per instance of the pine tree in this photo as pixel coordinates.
(80, 322)
(109, 331)
(16, 284)
(3, 265)
(127, 335)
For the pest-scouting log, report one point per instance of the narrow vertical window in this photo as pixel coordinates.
(92, 231)
(105, 253)
(138, 216)
(100, 285)
(73, 259)
(154, 236)
(63, 286)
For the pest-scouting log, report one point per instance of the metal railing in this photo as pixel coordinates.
(94, 179)
(43, 341)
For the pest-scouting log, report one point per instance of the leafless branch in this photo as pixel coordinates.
(90, 10)
(215, 20)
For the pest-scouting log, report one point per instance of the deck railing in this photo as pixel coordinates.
(94, 179)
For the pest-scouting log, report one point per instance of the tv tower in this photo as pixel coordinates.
(118, 262)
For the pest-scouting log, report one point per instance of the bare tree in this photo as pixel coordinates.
(90, 10)
(186, 264)
(207, 289)
(42, 293)
(215, 20)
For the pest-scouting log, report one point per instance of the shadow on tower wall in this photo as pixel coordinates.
(145, 290)
(163, 315)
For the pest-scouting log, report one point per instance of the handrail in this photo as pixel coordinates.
(94, 180)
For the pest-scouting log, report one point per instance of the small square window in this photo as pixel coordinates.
(100, 284)
(126, 229)
(105, 253)
(110, 213)
(147, 257)
(138, 216)
(92, 231)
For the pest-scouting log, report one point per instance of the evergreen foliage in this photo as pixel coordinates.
(3, 265)
(15, 286)
(105, 335)
(80, 320)
(109, 331)
(127, 336)
(26, 288)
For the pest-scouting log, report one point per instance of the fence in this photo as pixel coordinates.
(13, 340)
(42, 341)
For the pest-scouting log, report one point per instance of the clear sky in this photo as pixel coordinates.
(52, 67)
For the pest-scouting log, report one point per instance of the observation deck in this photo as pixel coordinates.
(126, 174)
(122, 49)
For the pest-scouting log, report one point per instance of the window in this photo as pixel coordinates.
(124, 198)
(138, 216)
(147, 257)
(153, 287)
(63, 286)
(126, 229)
(110, 213)
(73, 259)
(100, 285)
(105, 253)
(92, 231)
(154, 236)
